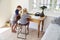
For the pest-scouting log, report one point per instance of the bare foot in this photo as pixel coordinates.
(14, 31)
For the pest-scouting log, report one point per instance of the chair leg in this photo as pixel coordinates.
(28, 29)
(19, 30)
(25, 32)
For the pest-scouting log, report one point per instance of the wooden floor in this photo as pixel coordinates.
(8, 35)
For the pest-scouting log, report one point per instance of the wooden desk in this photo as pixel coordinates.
(41, 19)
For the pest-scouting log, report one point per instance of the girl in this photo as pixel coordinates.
(24, 17)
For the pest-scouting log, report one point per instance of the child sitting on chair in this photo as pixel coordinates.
(23, 19)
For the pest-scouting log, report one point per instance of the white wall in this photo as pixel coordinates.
(23, 3)
(7, 7)
(4, 11)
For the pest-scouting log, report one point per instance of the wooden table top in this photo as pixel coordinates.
(36, 19)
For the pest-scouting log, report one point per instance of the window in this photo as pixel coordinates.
(55, 4)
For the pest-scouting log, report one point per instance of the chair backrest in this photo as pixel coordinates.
(28, 20)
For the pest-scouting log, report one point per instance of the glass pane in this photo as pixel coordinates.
(55, 3)
(57, 6)
(34, 1)
(59, 3)
(34, 5)
(50, 3)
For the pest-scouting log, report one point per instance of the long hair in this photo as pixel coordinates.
(25, 10)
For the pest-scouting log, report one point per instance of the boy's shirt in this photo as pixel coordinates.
(13, 17)
(17, 12)
(23, 19)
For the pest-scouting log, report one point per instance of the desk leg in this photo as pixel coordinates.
(38, 29)
(42, 25)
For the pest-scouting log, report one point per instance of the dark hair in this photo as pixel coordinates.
(19, 6)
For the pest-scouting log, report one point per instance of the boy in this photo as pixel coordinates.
(15, 17)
